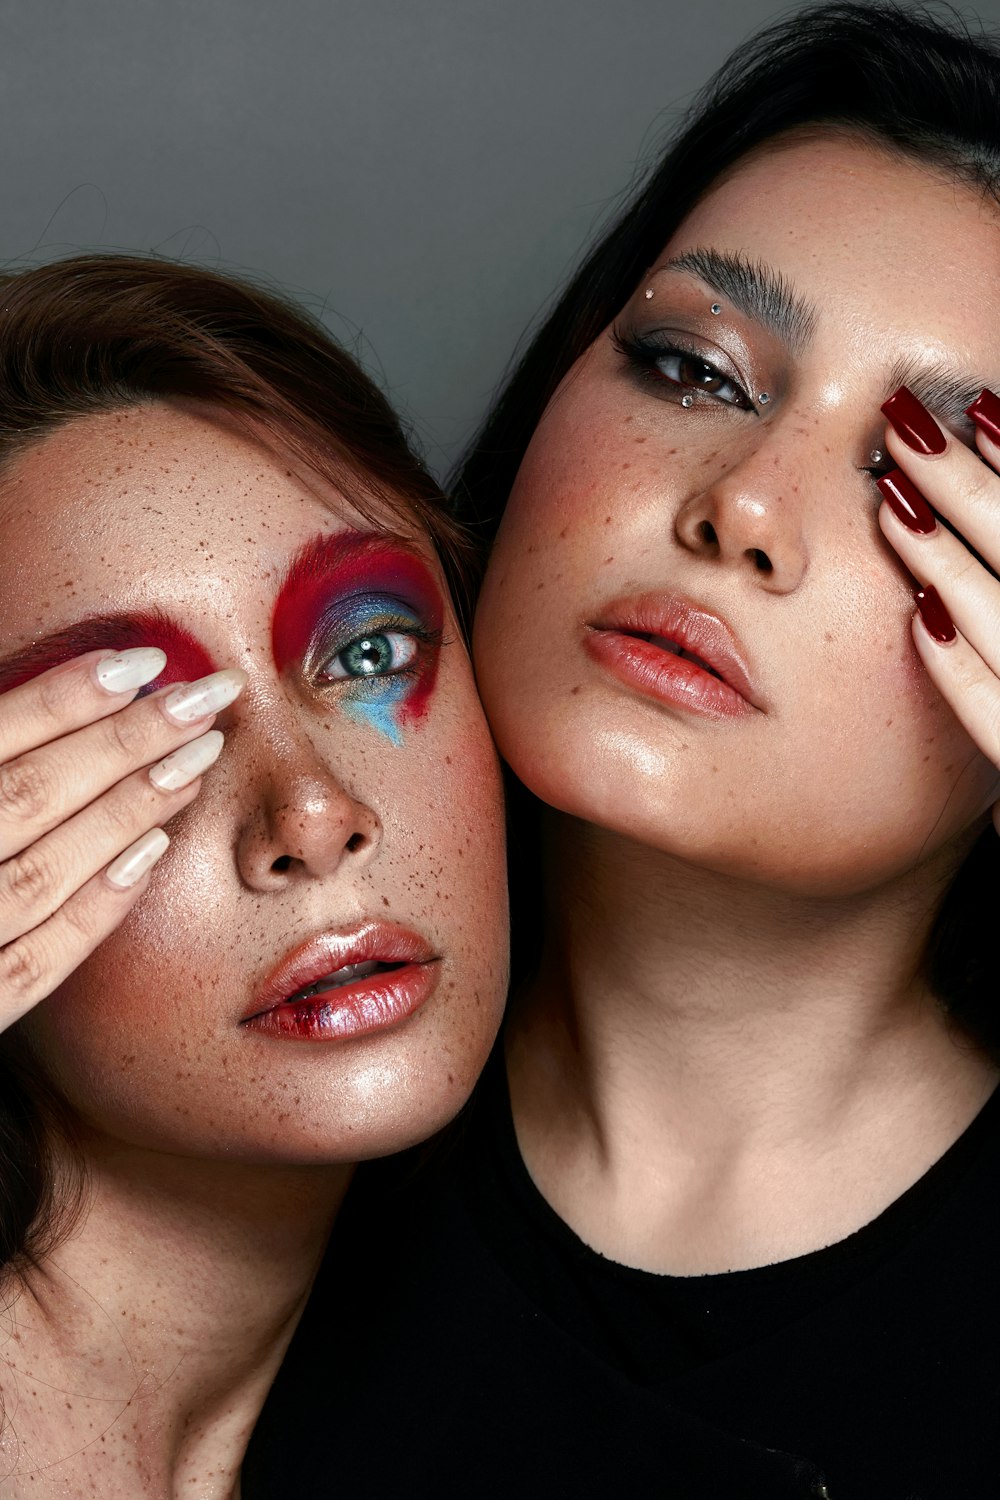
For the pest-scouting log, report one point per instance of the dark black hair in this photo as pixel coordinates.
(916, 81)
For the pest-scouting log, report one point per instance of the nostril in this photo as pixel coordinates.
(761, 561)
(355, 842)
(282, 864)
(708, 534)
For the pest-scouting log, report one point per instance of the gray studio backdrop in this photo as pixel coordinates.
(424, 172)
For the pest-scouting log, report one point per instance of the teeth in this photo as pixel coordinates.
(339, 977)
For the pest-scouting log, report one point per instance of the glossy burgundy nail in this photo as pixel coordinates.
(914, 423)
(906, 502)
(934, 615)
(985, 412)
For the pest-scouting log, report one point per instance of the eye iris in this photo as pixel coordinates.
(696, 372)
(368, 657)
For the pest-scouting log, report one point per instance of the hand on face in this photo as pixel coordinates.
(692, 632)
(74, 797)
(317, 970)
(957, 625)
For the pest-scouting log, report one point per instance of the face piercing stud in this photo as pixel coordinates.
(649, 293)
(764, 398)
(687, 401)
(716, 308)
(876, 456)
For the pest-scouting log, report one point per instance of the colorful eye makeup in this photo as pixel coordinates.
(364, 615)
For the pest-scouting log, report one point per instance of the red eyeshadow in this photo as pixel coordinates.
(335, 567)
(187, 659)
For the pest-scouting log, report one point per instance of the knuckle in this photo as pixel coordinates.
(26, 790)
(54, 696)
(30, 880)
(127, 735)
(23, 972)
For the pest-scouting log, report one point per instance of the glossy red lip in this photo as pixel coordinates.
(399, 972)
(675, 651)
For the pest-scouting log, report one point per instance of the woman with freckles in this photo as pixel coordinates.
(212, 528)
(723, 1216)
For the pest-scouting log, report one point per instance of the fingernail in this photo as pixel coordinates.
(934, 615)
(128, 670)
(197, 700)
(906, 502)
(914, 423)
(182, 766)
(985, 412)
(129, 868)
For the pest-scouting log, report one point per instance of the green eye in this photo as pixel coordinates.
(377, 655)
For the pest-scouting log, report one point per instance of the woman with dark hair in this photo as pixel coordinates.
(722, 1217)
(204, 502)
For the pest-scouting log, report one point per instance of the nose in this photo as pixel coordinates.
(300, 821)
(749, 516)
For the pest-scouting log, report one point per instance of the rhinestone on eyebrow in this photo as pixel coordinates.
(716, 307)
(649, 293)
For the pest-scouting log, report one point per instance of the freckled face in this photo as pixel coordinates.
(850, 768)
(358, 785)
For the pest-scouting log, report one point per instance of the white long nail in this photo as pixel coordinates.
(129, 670)
(130, 866)
(198, 700)
(181, 767)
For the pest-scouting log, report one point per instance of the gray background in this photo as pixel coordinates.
(423, 172)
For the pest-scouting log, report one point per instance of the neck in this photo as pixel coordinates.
(164, 1315)
(701, 1028)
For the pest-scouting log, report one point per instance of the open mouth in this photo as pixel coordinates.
(343, 976)
(662, 642)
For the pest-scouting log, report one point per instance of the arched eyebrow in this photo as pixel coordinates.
(758, 291)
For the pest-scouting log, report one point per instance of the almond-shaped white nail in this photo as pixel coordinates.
(127, 671)
(181, 767)
(132, 864)
(197, 700)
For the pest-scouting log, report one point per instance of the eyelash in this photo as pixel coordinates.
(384, 625)
(645, 353)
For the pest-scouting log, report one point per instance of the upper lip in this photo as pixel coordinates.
(689, 626)
(326, 952)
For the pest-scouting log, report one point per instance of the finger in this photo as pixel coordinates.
(969, 686)
(35, 965)
(40, 790)
(938, 558)
(954, 480)
(36, 882)
(76, 693)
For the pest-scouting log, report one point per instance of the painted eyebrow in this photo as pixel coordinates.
(116, 632)
(317, 557)
(760, 292)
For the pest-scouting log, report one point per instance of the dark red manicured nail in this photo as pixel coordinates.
(914, 423)
(934, 615)
(985, 412)
(906, 502)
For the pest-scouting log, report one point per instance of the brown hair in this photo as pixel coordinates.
(96, 333)
(100, 333)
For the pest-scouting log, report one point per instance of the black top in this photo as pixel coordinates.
(462, 1341)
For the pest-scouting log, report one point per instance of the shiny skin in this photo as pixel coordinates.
(858, 771)
(309, 821)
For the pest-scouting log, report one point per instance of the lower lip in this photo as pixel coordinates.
(660, 675)
(360, 1009)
